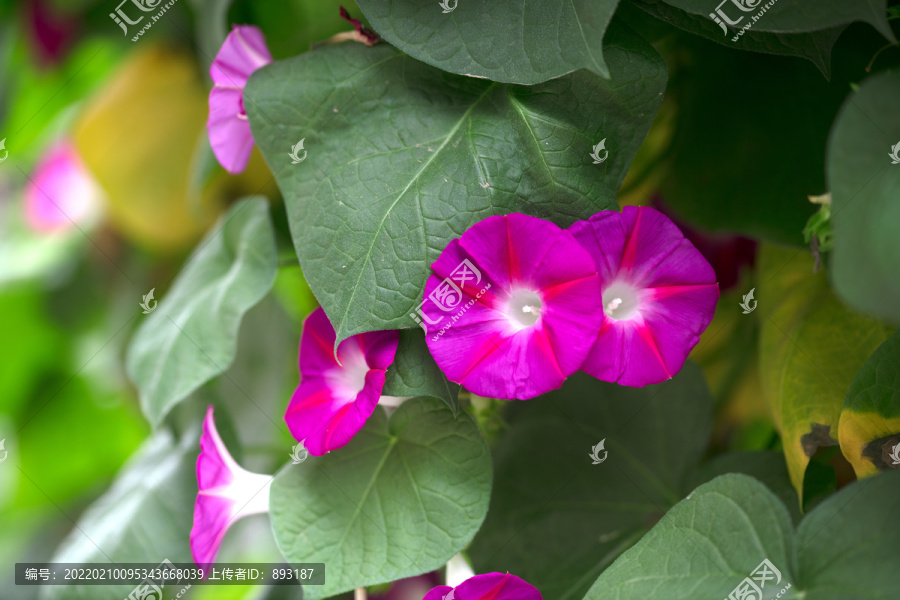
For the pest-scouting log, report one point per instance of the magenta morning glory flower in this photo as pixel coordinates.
(227, 493)
(490, 586)
(61, 192)
(659, 294)
(513, 307)
(243, 52)
(334, 398)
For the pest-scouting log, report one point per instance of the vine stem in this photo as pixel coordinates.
(360, 594)
(882, 49)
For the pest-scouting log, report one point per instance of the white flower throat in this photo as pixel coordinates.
(524, 308)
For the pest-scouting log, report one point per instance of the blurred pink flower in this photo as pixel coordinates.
(61, 191)
(490, 586)
(335, 399)
(513, 307)
(53, 29)
(243, 52)
(659, 294)
(227, 493)
(728, 254)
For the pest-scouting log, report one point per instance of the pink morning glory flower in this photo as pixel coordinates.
(513, 307)
(61, 192)
(659, 294)
(243, 52)
(490, 586)
(227, 493)
(337, 396)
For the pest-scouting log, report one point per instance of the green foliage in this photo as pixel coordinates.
(811, 346)
(556, 519)
(710, 541)
(373, 205)
(414, 372)
(192, 335)
(400, 499)
(144, 517)
(870, 422)
(864, 186)
(786, 28)
(501, 40)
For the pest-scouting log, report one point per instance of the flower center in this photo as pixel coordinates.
(350, 378)
(620, 301)
(524, 308)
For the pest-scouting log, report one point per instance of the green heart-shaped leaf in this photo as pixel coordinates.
(556, 519)
(191, 336)
(864, 181)
(502, 40)
(399, 500)
(712, 540)
(403, 157)
(811, 346)
(414, 372)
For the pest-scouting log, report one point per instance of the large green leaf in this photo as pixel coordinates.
(414, 372)
(811, 347)
(556, 519)
(501, 40)
(145, 517)
(870, 422)
(403, 157)
(865, 193)
(766, 466)
(191, 336)
(813, 45)
(399, 500)
(792, 16)
(706, 545)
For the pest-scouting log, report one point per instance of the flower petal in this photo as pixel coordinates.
(490, 586)
(674, 285)
(61, 192)
(334, 399)
(229, 136)
(243, 52)
(226, 493)
(475, 332)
